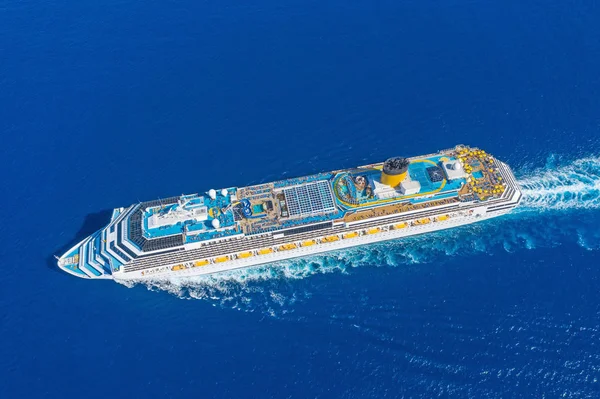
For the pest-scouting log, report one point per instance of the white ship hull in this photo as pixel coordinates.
(165, 272)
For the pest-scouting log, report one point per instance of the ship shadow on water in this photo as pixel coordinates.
(91, 223)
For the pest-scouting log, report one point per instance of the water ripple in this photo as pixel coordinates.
(575, 185)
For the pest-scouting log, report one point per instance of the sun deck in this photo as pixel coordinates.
(191, 214)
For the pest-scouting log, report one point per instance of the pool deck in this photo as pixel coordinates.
(417, 171)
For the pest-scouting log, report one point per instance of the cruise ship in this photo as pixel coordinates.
(239, 227)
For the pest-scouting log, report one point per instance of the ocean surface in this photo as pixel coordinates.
(103, 104)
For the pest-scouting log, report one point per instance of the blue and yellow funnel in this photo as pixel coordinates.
(394, 171)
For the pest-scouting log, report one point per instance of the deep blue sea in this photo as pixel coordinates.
(105, 103)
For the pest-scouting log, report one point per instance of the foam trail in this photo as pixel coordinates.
(572, 186)
(270, 289)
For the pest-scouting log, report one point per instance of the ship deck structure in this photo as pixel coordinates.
(233, 227)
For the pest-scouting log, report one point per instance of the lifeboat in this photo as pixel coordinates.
(265, 251)
(400, 226)
(330, 239)
(245, 254)
(422, 221)
(286, 247)
(374, 231)
(202, 262)
(221, 259)
(350, 235)
(308, 243)
(178, 267)
(442, 218)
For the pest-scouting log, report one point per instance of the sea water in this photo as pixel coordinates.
(103, 104)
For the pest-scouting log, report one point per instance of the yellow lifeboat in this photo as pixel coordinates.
(221, 259)
(374, 231)
(265, 251)
(350, 235)
(330, 239)
(245, 254)
(422, 221)
(442, 218)
(286, 247)
(400, 226)
(308, 243)
(178, 267)
(202, 262)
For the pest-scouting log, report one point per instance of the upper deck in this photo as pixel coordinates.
(458, 174)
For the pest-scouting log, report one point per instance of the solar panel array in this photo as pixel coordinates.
(309, 199)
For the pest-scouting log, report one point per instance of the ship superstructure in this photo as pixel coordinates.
(234, 227)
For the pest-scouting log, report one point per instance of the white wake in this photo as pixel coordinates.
(575, 185)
